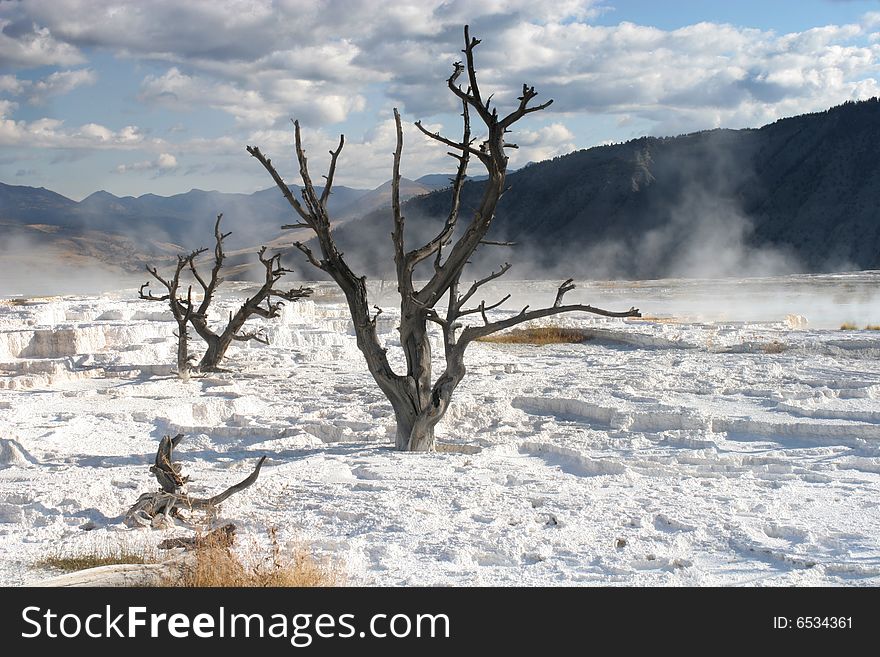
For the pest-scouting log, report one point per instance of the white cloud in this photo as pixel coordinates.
(7, 107)
(60, 83)
(162, 164)
(262, 61)
(179, 91)
(9, 84)
(55, 84)
(542, 144)
(166, 161)
(365, 160)
(264, 104)
(51, 133)
(29, 46)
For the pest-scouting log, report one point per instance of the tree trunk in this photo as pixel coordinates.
(217, 346)
(415, 432)
(421, 411)
(415, 427)
(182, 350)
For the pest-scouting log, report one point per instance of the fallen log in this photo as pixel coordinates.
(222, 537)
(157, 508)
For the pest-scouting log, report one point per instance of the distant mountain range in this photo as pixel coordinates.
(131, 231)
(800, 194)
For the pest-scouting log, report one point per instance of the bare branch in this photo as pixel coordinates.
(483, 308)
(201, 503)
(334, 155)
(474, 332)
(434, 316)
(494, 243)
(476, 285)
(149, 295)
(397, 235)
(566, 286)
(168, 473)
(311, 199)
(159, 278)
(256, 336)
(293, 294)
(219, 256)
(191, 261)
(463, 146)
(308, 253)
(445, 235)
(527, 94)
(473, 93)
(279, 182)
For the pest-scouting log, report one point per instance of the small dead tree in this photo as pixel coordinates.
(186, 312)
(181, 308)
(419, 401)
(159, 506)
(218, 342)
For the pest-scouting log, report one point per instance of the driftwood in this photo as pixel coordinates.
(156, 508)
(122, 575)
(223, 536)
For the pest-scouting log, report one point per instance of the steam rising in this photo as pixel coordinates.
(707, 237)
(29, 268)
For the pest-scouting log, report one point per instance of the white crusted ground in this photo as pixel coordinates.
(732, 445)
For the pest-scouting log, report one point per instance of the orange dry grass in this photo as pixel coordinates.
(540, 336)
(650, 318)
(91, 559)
(218, 566)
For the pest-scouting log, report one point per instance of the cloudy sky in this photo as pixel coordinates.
(162, 96)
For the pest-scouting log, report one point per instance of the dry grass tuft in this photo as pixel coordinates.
(775, 347)
(92, 559)
(212, 564)
(540, 336)
(653, 318)
(216, 565)
(848, 326)
(872, 327)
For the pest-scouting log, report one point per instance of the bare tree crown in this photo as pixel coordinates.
(186, 312)
(419, 402)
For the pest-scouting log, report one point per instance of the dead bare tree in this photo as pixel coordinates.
(181, 308)
(218, 342)
(159, 506)
(186, 312)
(418, 401)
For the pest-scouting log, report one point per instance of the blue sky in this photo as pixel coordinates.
(162, 97)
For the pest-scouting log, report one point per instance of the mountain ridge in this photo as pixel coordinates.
(799, 194)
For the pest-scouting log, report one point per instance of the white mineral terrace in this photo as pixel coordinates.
(732, 438)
